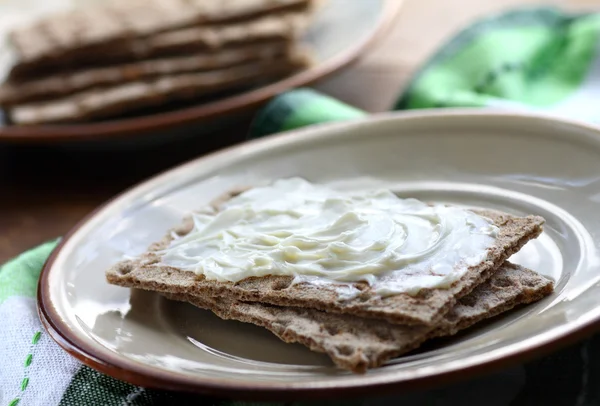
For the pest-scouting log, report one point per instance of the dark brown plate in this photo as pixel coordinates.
(340, 33)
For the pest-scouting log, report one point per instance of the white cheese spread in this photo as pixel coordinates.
(314, 233)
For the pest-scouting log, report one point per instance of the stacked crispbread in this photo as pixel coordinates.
(359, 331)
(102, 61)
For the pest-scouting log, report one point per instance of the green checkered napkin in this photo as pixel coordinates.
(536, 59)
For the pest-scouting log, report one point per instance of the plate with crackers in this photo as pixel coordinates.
(404, 250)
(92, 69)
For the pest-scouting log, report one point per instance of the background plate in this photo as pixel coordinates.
(341, 31)
(477, 159)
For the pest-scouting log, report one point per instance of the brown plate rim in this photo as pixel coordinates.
(148, 377)
(244, 101)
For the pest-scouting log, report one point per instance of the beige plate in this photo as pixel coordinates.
(517, 163)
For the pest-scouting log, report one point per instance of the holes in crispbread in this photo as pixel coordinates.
(124, 269)
(469, 301)
(331, 330)
(501, 282)
(530, 283)
(279, 284)
(346, 350)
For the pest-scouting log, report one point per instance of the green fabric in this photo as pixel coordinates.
(19, 277)
(300, 108)
(90, 387)
(538, 64)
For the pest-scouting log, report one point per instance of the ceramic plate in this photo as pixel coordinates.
(516, 163)
(340, 32)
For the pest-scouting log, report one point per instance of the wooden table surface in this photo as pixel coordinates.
(46, 191)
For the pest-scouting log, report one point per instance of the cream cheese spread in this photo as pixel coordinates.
(317, 234)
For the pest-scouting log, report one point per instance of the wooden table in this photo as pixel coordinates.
(45, 191)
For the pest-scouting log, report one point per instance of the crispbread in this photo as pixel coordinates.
(182, 42)
(356, 343)
(103, 102)
(60, 85)
(65, 37)
(427, 307)
(270, 28)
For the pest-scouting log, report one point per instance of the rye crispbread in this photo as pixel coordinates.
(183, 42)
(67, 38)
(358, 344)
(272, 28)
(65, 84)
(107, 101)
(427, 307)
